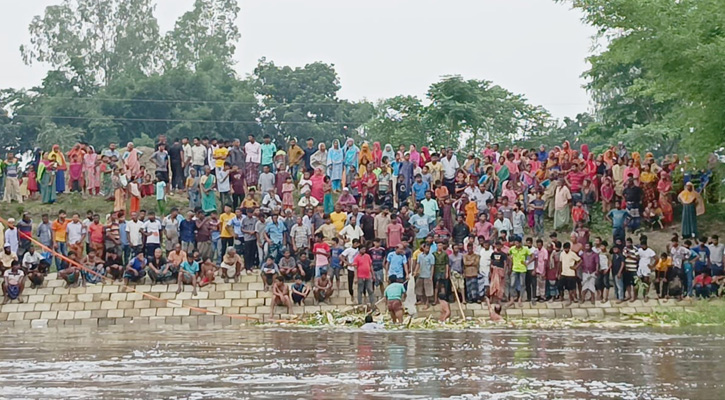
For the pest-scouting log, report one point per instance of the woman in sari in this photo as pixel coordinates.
(327, 203)
(318, 185)
(350, 152)
(377, 154)
(632, 169)
(608, 158)
(585, 151)
(56, 156)
(369, 187)
(207, 184)
(503, 175)
(648, 183)
(664, 186)
(131, 161)
(119, 191)
(389, 153)
(46, 181)
(318, 160)
(365, 158)
(91, 171)
(335, 165)
(607, 194)
(414, 155)
(637, 160)
(692, 206)
(424, 156)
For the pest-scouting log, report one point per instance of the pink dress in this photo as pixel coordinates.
(317, 191)
(132, 164)
(90, 170)
(287, 198)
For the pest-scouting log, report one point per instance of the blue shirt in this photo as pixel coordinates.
(335, 256)
(138, 264)
(396, 264)
(542, 156)
(192, 268)
(187, 230)
(419, 189)
(123, 235)
(618, 217)
(268, 151)
(426, 263)
(275, 231)
(420, 222)
(236, 224)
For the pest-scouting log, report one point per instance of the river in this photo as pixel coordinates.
(263, 363)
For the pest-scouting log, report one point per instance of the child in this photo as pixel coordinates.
(287, 198)
(299, 291)
(603, 275)
(32, 182)
(280, 296)
(537, 205)
(135, 193)
(75, 169)
(192, 188)
(607, 194)
(579, 213)
(702, 285)
(269, 271)
(305, 184)
(327, 202)
(250, 201)
(147, 186)
(661, 273)
(377, 253)
(161, 197)
(444, 307)
(335, 264)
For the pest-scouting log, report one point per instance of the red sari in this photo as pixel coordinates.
(317, 191)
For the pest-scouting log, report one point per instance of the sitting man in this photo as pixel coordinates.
(31, 259)
(71, 274)
(94, 269)
(135, 270)
(188, 274)
(36, 275)
(114, 265)
(13, 283)
(287, 266)
(280, 296)
(232, 265)
(323, 288)
(6, 258)
(208, 271)
(269, 271)
(299, 291)
(159, 268)
(175, 258)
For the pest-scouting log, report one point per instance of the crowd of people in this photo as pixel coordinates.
(471, 230)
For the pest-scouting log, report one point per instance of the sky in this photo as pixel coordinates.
(384, 48)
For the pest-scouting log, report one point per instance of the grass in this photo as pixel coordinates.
(75, 202)
(702, 313)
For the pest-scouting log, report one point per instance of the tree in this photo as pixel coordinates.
(209, 31)
(664, 61)
(399, 120)
(95, 40)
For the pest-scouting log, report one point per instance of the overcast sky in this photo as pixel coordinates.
(382, 48)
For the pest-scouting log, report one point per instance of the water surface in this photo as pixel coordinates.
(263, 363)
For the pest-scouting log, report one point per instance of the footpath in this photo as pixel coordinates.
(244, 302)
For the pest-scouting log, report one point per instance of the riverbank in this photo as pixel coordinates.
(246, 302)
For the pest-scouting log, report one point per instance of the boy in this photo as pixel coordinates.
(287, 265)
(335, 263)
(570, 262)
(423, 272)
(589, 269)
(603, 275)
(323, 288)
(188, 274)
(269, 271)
(377, 254)
(299, 291)
(701, 284)
(662, 271)
(135, 270)
(538, 207)
(280, 296)
(394, 296)
(161, 196)
(617, 266)
(579, 214)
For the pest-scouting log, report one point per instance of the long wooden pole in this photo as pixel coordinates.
(460, 307)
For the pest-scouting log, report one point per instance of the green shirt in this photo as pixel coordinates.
(394, 291)
(268, 151)
(441, 262)
(518, 258)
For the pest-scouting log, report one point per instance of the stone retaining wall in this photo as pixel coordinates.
(109, 304)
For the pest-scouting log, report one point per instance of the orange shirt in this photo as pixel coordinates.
(95, 231)
(59, 229)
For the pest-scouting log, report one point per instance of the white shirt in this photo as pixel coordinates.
(13, 278)
(254, 152)
(153, 228)
(30, 259)
(532, 265)
(450, 167)
(134, 232)
(350, 255)
(186, 148)
(482, 199)
(716, 253)
(349, 233)
(75, 232)
(645, 259)
(222, 181)
(11, 239)
(503, 225)
(484, 265)
(198, 155)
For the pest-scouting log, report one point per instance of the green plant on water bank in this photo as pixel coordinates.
(701, 313)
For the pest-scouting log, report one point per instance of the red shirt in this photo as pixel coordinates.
(364, 266)
(95, 232)
(321, 259)
(575, 180)
(395, 233)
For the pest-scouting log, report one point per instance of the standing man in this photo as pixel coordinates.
(186, 160)
(268, 150)
(236, 155)
(12, 185)
(252, 160)
(450, 166)
(161, 159)
(198, 156)
(309, 151)
(295, 156)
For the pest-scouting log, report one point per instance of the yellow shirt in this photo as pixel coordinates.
(295, 154)
(220, 155)
(663, 265)
(226, 231)
(249, 202)
(436, 171)
(338, 219)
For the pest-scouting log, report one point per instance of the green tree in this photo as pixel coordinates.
(208, 31)
(399, 120)
(95, 40)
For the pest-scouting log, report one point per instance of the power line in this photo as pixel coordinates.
(204, 121)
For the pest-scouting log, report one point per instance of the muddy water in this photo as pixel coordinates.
(263, 363)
